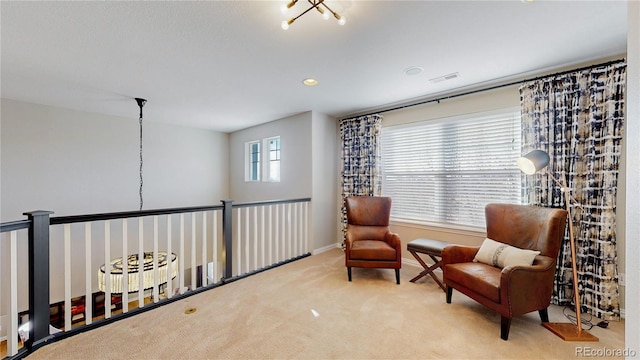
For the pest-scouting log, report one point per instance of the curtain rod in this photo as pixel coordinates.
(493, 87)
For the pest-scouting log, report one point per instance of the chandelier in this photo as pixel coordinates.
(319, 5)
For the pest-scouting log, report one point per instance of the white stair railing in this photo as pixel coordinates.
(101, 264)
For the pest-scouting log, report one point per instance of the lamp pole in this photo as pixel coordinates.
(531, 163)
(566, 330)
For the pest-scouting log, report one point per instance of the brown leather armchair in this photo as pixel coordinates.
(369, 242)
(513, 290)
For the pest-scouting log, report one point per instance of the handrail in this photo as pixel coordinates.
(58, 220)
(15, 225)
(271, 202)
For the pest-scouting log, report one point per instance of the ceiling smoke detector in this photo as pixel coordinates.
(445, 78)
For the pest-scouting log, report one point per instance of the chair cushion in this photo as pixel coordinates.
(498, 254)
(482, 278)
(372, 250)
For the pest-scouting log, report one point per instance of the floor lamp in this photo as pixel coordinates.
(529, 164)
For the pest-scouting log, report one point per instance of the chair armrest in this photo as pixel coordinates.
(529, 287)
(458, 254)
(393, 240)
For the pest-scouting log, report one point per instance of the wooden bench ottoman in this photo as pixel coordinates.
(431, 248)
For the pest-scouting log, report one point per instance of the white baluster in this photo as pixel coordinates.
(124, 295)
(155, 260)
(169, 288)
(296, 229)
(181, 255)
(276, 236)
(107, 269)
(205, 267)
(67, 275)
(88, 289)
(289, 232)
(270, 239)
(140, 263)
(255, 238)
(306, 227)
(239, 241)
(246, 240)
(215, 246)
(12, 332)
(262, 248)
(194, 265)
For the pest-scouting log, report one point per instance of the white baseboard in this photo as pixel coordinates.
(410, 262)
(326, 248)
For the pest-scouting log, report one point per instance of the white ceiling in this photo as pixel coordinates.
(227, 65)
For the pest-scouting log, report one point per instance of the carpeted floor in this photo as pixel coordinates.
(308, 310)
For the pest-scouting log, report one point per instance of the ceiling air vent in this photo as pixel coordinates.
(445, 77)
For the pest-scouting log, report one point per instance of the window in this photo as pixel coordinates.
(255, 168)
(252, 162)
(272, 171)
(446, 171)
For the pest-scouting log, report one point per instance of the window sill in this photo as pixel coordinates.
(446, 228)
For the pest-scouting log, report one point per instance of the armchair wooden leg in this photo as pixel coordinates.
(505, 325)
(398, 276)
(544, 315)
(449, 293)
(349, 273)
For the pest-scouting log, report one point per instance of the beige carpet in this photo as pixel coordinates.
(308, 310)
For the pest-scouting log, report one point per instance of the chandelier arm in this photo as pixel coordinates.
(304, 12)
(315, 4)
(328, 8)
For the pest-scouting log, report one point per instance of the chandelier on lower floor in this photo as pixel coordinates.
(319, 5)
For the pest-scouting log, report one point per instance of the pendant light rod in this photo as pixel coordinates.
(141, 103)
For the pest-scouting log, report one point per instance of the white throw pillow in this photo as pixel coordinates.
(498, 254)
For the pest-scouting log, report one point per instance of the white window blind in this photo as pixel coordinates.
(447, 171)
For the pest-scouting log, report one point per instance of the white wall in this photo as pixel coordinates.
(631, 225)
(309, 168)
(295, 161)
(73, 162)
(325, 178)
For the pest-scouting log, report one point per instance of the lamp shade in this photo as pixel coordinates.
(533, 161)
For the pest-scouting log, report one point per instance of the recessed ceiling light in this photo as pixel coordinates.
(414, 70)
(310, 82)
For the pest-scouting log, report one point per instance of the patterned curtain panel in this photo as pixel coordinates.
(578, 119)
(360, 170)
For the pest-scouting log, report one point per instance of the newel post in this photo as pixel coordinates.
(38, 278)
(227, 234)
